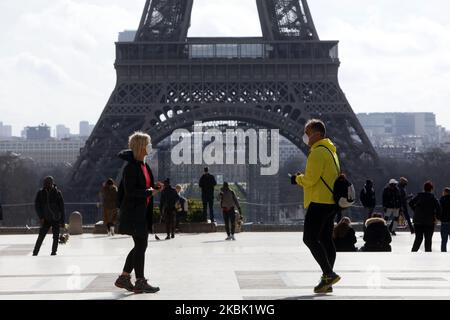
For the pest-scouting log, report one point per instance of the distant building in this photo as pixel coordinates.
(86, 129)
(127, 36)
(399, 124)
(62, 132)
(5, 131)
(41, 132)
(45, 152)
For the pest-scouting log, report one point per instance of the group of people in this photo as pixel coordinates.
(427, 210)
(138, 189)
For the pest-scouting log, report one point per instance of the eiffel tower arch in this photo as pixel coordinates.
(166, 81)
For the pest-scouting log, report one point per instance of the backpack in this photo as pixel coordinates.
(343, 190)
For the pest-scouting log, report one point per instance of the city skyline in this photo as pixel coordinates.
(394, 53)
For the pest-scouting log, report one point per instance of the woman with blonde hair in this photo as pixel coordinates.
(136, 194)
(344, 236)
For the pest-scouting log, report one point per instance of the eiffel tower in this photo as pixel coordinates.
(166, 81)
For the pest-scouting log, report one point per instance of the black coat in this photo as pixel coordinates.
(49, 205)
(367, 197)
(444, 216)
(391, 198)
(207, 183)
(403, 198)
(377, 236)
(426, 208)
(169, 198)
(136, 217)
(347, 242)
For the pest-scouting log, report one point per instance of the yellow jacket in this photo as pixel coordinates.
(319, 164)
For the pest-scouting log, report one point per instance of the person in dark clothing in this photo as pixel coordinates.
(135, 211)
(228, 203)
(49, 206)
(108, 196)
(344, 236)
(169, 199)
(368, 198)
(444, 217)
(391, 204)
(404, 203)
(377, 237)
(426, 210)
(207, 183)
(182, 208)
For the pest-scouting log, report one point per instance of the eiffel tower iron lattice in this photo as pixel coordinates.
(166, 81)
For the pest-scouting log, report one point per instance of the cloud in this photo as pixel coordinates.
(60, 53)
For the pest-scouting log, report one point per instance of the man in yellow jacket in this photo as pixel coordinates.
(322, 170)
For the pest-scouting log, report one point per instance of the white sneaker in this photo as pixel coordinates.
(112, 231)
(228, 238)
(233, 238)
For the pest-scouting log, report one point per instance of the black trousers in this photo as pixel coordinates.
(421, 232)
(229, 217)
(43, 232)
(318, 235)
(208, 202)
(169, 217)
(136, 258)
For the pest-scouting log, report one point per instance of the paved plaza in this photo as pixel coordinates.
(257, 266)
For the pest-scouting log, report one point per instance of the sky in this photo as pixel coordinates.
(56, 56)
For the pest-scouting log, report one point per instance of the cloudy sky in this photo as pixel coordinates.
(56, 56)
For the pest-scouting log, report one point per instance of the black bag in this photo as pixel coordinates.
(343, 190)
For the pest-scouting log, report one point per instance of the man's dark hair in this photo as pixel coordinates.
(428, 186)
(206, 169)
(317, 125)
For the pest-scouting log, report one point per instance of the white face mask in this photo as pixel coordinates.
(306, 139)
(149, 149)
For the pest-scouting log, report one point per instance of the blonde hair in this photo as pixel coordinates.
(138, 141)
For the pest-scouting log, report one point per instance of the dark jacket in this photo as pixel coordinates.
(49, 205)
(426, 208)
(367, 197)
(1, 212)
(377, 237)
(391, 198)
(136, 217)
(108, 196)
(347, 242)
(169, 198)
(403, 198)
(444, 216)
(207, 183)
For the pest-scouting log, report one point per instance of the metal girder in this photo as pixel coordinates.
(274, 84)
(286, 19)
(165, 20)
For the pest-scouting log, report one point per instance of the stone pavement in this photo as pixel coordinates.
(257, 266)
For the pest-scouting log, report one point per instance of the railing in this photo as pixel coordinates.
(23, 215)
(230, 49)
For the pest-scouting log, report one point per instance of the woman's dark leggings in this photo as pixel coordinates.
(136, 257)
(229, 217)
(318, 235)
(421, 232)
